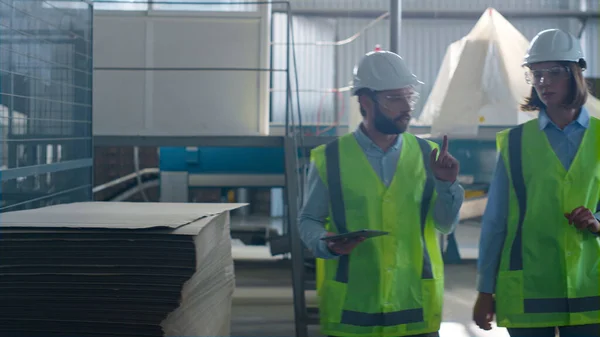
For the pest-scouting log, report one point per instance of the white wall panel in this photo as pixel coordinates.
(112, 44)
(211, 6)
(177, 5)
(174, 89)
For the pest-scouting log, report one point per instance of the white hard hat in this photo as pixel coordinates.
(382, 70)
(553, 45)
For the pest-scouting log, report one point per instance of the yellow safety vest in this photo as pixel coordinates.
(549, 271)
(391, 285)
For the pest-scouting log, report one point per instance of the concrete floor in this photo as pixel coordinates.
(263, 304)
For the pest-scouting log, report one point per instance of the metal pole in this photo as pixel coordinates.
(242, 196)
(395, 18)
(443, 14)
(287, 70)
(582, 24)
(90, 83)
(12, 149)
(336, 84)
(297, 249)
(271, 66)
(291, 199)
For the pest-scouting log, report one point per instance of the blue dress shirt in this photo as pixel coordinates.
(565, 144)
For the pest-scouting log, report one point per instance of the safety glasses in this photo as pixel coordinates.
(396, 103)
(547, 76)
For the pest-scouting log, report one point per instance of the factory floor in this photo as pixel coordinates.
(263, 302)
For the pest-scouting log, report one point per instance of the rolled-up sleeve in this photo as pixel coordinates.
(311, 221)
(446, 211)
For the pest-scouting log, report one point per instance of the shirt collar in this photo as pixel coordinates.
(366, 142)
(583, 119)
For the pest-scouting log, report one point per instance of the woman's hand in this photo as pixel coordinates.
(484, 311)
(582, 218)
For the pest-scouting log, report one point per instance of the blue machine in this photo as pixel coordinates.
(222, 160)
(227, 160)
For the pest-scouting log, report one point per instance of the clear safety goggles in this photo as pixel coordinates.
(547, 76)
(402, 102)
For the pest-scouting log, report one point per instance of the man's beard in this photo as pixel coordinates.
(386, 125)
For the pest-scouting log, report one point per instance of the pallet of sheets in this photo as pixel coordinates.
(116, 269)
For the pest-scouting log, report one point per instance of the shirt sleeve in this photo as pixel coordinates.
(493, 230)
(597, 216)
(311, 221)
(446, 211)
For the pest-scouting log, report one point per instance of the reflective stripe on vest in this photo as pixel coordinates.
(332, 157)
(540, 305)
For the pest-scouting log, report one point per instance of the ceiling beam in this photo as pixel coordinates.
(443, 14)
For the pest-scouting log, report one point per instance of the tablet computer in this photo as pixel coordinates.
(365, 233)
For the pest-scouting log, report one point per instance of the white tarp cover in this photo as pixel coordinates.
(481, 81)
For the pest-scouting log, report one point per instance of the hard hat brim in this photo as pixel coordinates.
(413, 83)
(531, 61)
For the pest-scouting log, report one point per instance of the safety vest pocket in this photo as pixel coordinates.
(509, 295)
(331, 301)
(433, 297)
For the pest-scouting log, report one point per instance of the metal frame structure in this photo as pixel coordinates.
(442, 14)
(36, 143)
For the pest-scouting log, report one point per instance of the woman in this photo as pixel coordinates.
(538, 268)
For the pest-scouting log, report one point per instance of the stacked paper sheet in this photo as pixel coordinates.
(116, 269)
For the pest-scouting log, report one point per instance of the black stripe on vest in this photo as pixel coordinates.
(332, 157)
(546, 305)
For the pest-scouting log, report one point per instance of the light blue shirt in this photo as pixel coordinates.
(316, 206)
(493, 227)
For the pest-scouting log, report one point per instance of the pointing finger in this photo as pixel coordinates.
(445, 145)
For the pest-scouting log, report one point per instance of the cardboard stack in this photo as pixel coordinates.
(116, 269)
